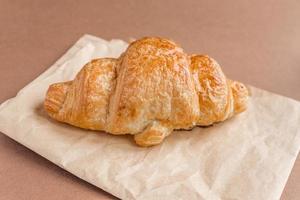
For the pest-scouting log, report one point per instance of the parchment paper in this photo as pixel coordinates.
(247, 157)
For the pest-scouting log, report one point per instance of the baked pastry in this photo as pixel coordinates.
(153, 88)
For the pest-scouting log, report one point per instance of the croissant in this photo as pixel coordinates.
(152, 89)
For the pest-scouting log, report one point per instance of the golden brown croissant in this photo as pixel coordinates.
(150, 90)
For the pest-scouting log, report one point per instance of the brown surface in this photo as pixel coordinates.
(256, 42)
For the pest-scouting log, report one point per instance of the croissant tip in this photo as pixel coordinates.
(55, 97)
(241, 95)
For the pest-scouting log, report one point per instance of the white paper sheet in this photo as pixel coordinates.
(247, 157)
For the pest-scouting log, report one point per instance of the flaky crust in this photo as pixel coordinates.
(150, 90)
(84, 101)
(154, 83)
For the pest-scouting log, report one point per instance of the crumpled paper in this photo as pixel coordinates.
(247, 157)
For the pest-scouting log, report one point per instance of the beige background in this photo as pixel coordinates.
(257, 42)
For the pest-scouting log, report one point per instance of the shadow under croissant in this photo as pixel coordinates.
(39, 110)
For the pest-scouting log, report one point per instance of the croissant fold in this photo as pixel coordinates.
(150, 90)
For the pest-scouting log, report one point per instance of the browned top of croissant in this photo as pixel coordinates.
(153, 88)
